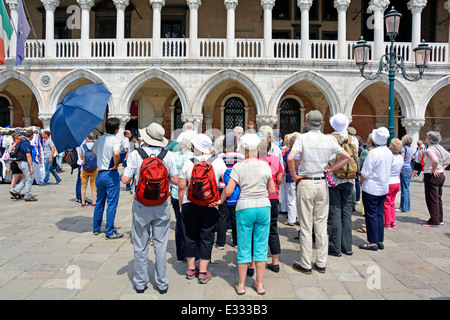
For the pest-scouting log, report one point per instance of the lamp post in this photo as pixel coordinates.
(391, 62)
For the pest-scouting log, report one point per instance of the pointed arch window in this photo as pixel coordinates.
(234, 113)
(177, 115)
(5, 117)
(289, 116)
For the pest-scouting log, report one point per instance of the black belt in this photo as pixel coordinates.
(107, 170)
(312, 178)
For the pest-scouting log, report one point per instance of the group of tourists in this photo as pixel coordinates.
(237, 182)
(32, 157)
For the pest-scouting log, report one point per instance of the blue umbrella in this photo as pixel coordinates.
(77, 115)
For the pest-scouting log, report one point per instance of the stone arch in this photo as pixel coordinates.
(402, 93)
(66, 80)
(429, 95)
(11, 74)
(228, 74)
(316, 79)
(135, 84)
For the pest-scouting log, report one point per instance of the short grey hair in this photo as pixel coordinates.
(434, 137)
(407, 140)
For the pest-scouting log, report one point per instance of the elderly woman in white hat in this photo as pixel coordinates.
(375, 176)
(198, 222)
(254, 177)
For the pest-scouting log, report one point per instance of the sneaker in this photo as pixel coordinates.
(191, 274)
(57, 182)
(426, 224)
(84, 205)
(393, 226)
(387, 226)
(114, 235)
(204, 277)
(218, 247)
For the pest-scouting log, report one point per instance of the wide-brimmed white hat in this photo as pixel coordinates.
(153, 135)
(202, 143)
(250, 141)
(339, 122)
(380, 136)
(188, 134)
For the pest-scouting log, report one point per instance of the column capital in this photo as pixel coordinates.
(266, 120)
(86, 4)
(123, 117)
(378, 5)
(192, 117)
(13, 4)
(341, 4)
(121, 4)
(416, 6)
(413, 123)
(48, 4)
(447, 6)
(157, 3)
(230, 4)
(304, 4)
(45, 116)
(268, 4)
(194, 4)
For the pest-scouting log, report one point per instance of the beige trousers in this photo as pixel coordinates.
(313, 204)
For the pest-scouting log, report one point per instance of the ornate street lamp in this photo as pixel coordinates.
(391, 62)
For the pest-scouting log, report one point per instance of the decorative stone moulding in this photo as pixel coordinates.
(46, 80)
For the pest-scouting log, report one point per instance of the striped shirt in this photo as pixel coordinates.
(230, 159)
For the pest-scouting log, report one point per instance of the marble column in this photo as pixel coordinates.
(304, 6)
(157, 6)
(121, 48)
(378, 7)
(14, 12)
(45, 117)
(267, 7)
(447, 7)
(50, 6)
(231, 8)
(416, 7)
(194, 5)
(85, 5)
(413, 127)
(341, 7)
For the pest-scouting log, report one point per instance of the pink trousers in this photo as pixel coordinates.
(389, 204)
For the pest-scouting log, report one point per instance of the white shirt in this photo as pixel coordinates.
(316, 150)
(397, 165)
(104, 148)
(135, 160)
(186, 172)
(377, 171)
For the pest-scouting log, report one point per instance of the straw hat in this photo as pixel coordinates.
(153, 135)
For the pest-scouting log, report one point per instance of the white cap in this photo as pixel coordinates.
(202, 143)
(250, 141)
(339, 122)
(380, 136)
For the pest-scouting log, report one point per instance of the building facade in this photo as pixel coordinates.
(222, 63)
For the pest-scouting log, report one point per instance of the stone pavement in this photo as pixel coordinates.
(48, 251)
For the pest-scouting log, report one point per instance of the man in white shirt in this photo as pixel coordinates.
(155, 217)
(374, 179)
(315, 150)
(107, 148)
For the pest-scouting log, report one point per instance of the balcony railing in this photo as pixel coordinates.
(217, 48)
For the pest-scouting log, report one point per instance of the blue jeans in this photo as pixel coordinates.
(108, 189)
(405, 198)
(49, 169)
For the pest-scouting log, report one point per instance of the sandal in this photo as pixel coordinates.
(239, 292)
(361, 230)
(262, 292)
(289, 224)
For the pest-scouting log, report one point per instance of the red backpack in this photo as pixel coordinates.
(152, 188)
(203, 188)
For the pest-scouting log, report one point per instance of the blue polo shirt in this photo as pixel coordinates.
(25, 147)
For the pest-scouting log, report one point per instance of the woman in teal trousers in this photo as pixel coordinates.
(252, 211)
